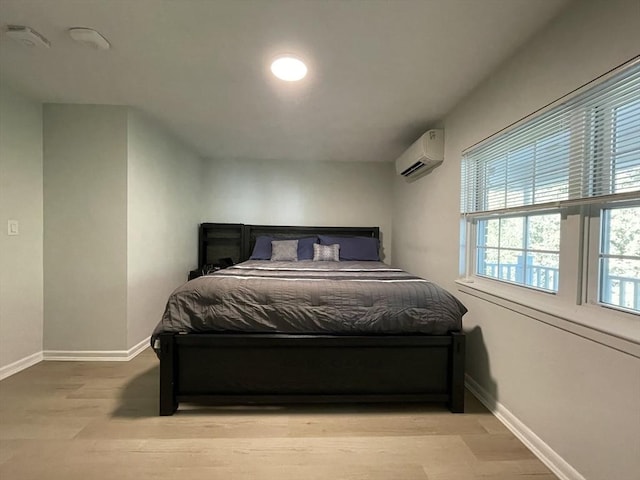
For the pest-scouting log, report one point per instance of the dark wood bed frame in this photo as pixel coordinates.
(283, 368)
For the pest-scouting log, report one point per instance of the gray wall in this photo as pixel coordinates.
(123, 199)
(301, 193)
(163, 211)
(580, 397)
(122, 204)
(85, 227)
(21, 280)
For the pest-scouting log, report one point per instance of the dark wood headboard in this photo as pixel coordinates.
(236, 240)
(252, 232)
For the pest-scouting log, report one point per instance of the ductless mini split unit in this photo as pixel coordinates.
(426, 153)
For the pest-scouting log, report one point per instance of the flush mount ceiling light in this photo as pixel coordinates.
(289, 68)
(90, 37)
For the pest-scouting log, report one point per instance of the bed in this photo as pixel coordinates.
(288, 331)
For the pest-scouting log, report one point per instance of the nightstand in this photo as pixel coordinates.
(207, 269)
(194, 274)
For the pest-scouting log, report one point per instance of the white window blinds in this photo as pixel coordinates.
(580, 149)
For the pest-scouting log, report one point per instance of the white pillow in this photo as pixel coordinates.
(326, 253)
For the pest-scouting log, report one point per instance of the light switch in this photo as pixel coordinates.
(13, 227)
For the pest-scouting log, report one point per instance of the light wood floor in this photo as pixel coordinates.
(95, 420)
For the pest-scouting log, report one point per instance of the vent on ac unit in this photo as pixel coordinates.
(423, 155)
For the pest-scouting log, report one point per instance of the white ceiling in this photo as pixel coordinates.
(380, 72)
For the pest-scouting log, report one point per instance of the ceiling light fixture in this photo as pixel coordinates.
(289, 68)
(90, 37)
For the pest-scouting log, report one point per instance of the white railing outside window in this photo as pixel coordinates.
(523, 250)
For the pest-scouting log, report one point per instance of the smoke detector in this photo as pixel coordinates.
(27, 36)
(90, 37)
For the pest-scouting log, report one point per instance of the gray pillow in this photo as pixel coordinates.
(284, 251)
(326, 253)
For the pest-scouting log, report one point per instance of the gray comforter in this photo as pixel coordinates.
(311, 298)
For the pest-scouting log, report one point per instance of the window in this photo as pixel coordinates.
(529, 194)
(619, 258)
(523, 250)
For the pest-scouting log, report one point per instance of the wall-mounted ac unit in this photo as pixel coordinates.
(423, 155)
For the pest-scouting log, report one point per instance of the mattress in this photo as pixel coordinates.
(306, 297)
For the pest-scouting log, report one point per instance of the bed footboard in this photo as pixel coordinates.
(275, 368)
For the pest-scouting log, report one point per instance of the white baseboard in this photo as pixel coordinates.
(97, 355)
(138, 348)
(540, 449)
(20, 365)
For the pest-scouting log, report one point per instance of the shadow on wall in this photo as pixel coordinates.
(478, 368)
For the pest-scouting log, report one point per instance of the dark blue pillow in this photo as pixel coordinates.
(354, 248)
(262, 249)
(305, 248)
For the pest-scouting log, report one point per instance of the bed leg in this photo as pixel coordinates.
(168, 400)
(456, 401)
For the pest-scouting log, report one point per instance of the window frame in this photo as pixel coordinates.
(593, 274)
(577, 298)
(525, 216)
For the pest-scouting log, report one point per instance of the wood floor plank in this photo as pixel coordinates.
(498, 446)
(98, 420)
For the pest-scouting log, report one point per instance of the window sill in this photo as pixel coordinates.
(615, 329)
